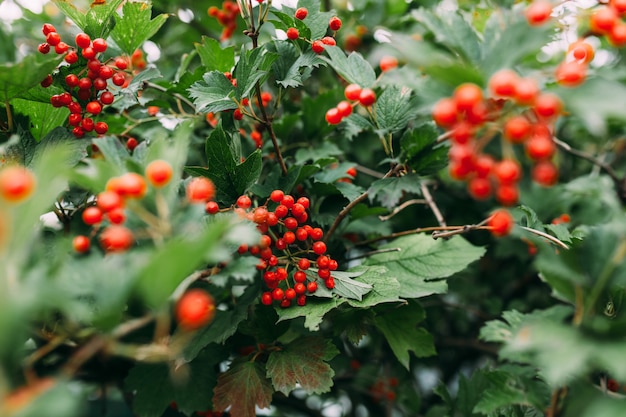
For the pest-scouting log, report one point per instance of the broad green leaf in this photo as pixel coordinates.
(231, 178)
(421, 151)
(17, 78)
(60, 136)
(355, 124)
(323, 151)
(213, 94)
(129, 96)
(241, 270)
(521, 387)
(156, 385)
(135, 26)
(313, 312)
(302, 363)
(394, 109)
(69, 10)
(253, 67)
(213, 56)
(349, 190)
(353, 68)
(243, 387)
(452, 31)
(385, 289)
(291, 68)
(422, 261)
(42, 116)
(330, 176)
(347, 287)
(97, 21)
(389, 191)
(399, 326)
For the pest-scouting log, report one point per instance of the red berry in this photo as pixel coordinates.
(352, 92)
(244, 202)
(299, 288)
(322, 261)
(92, 215)
(581, 51)
(81, 244)
(571, 74)
(71, 57)
(277, 195)
(467, 96)
(500, 223)
(516, 129)
(329, 40)
(61, 48)
(71, 80)
(444, 112)
(345, 108)
(99, 84)
(116, 239)
(278, 294)
(602, 20)
(333, 116)
(47, 28)
(311, 287)
(330, 283)
(545, 173)
(319, 248)
(323, 273)
(507, 171)
(301, 13)
(121, 63)
(117, 216)
(44, 48)
(159, 173)
(483, 164)
(53, 38)
(304, 264)
(105, 72)
(540, 147)
(288, 201)
(289, 237)
(195, 309)
(318, 46)
(334, 23)
(388, 63)
(291, 223)
(200, 189)
(83, 40)
(548, 105)
(281, 211)
(93, 107)
(266, 299)
(290, 294)
(88, 53)
(503, 82)
(211, 207)
(101, 128)
(617, 35)
(107, 97)
(47, 82)
(293, 34)
(367, 97)
(99, 45)
(526, 91)
(507, 194)
(87, 124)
(75, 119)
(538, 12)
(119, 79)
(17, 183)
(479, 188)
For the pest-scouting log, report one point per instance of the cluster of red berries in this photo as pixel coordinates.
(318, 45)
(87, 90)
(109, 207)
(227, 17)
(287, 242)
(521, 112)
(384, 389)
(354, 94)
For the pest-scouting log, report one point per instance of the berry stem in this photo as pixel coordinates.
(545, 236)
(7, 106)
(401, 207)
(432, 204)
(148, 84)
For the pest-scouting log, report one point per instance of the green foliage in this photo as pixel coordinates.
(135, 26)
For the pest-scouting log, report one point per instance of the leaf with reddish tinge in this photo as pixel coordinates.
(243, 388)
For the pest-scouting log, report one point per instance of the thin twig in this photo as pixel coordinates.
(148, 84)
(459, 230)
(368, 171)
(431, 203)
(404, 233)
(546, 236)
(584, 155)
(402, 207)
(372, 253)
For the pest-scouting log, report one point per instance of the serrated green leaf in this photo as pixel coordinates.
(69, 10)
(253, 67)
(349, 190)
(135, 26)
(303, 363)
(347, 287)
(243, 387)
(400, 329)
(213, 56)
(394, 109)
(17, 78)
(241, 270)
(323, 151)
(99, 19)
(313, 311)
(60, 136)
(42, 116)
(287, 67)
(129, 96)
(330, 176)
(422, 261)
(213, 94)
(385, 288)
(389, 191)
(421, 151)
(353, 68)
(507, 388)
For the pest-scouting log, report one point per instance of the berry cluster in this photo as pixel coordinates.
(523, 115)
(108, 215)
(354, 94)
(317, 45)
(384, 389)
(86, 88)
(227, 17)
(287, 242)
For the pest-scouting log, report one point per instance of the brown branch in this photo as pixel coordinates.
(431, 203)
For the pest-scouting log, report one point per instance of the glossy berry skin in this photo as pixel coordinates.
(571, 74)
(244, 202)
(352, 92)
(200, 189)
(444, 112)
(334, 23)
(211, 207)
(333, 116)
(503, 83)
(548, 105)
(467, 95)
(319, 248)
(545, 173)
(71, 57)
(293, 34)
(159, 173)
(500, 223)
(345, 108)
(82, 40)
(318, 46)
(517, 129)
(109, 200)
(101, 128)
(16, 184)
(44, 48)
(277, 195)
(507, 171)
(99, 45)
(195, 309)
(301, 13)
(538, 12)
(81, 244)
(116, 239)
(93, 107)
(367, 97)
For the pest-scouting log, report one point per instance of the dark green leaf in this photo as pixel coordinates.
(347, 287)
(353, 68)
(42, 116)
(389, 191)
(213, 94)
(313, 312)
(394, 109)
(135, 26)
(385, 288)
(214, 57)
(302, 363)
(421, 151)
(17, 78)
(287, 67)
(99, 19)
(243, 388)
(253, 67)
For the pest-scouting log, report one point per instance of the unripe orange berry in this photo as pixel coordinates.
(159, 172)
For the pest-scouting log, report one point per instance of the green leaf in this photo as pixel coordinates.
(243, 387)
(288, 66)
(69, 10)
(389, 191)
(230, 178)
(214, 93)
(394, 109)
(313, 311)
(422, 261)
(99, 19)
(242, 270)
(156, 385)
(421, 151)
(347, 287)
(17, 78)
(353, 68)
(60, 136)
(213, 56)
(400, 329)
(385, 289)
(521, 387)
(135, 26)
(303, 363)
(253, 67)
(316, 20)
(452, 31)
(42, 116)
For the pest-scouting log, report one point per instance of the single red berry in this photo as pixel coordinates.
(278, 294)
(47, 82)
(88, 53)
(322, 261)
(304, 264)
(99, 45)
(466, 96)
(344, 108)
(281, 211)
(538, 12)
(330, 283)
(444, 112)
(517, 129)
(71, 80)
(105, 72)
(500, 223)
(117, 216)
(119, 79)
(212, 208)
(159, 173)
(288, 201)
(602, 20)
(244, 202)
(47, 28)
(74, 119)
(289, 237)
(319, 248)
(333, 265)
(334, 23)
(61, 48)
(545, 173)
(87, 124)
(352, 92)
(266, 299)
(387, 63)
(116, 239)
(503, 82)
(581, 51)
(107, 97)
(53, 38)
(81, 244)
(71, 57)
(93, 107)
(540, 147)
(290, 293)
(92, 215)
(101, 128)
(293, 34)
(548, 105)
(323, 273)
(507, 171)
(299, 288)
(200, 189)
(99, 84)
(291, 223)
(329, 40)
(318, 46)
(367, 97)
(78, 132)
(333, 116)
(301, 234)
(311, 287)
(507, 194)
(479, 188)
(82, 40)
(195, 309)
(17, 183)
(299, 277)
(277, 195)
(526, 91)
(121, 63)
(301, 13)
(85, 83)
(571, 74)
(44, 48)
(109, 200)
